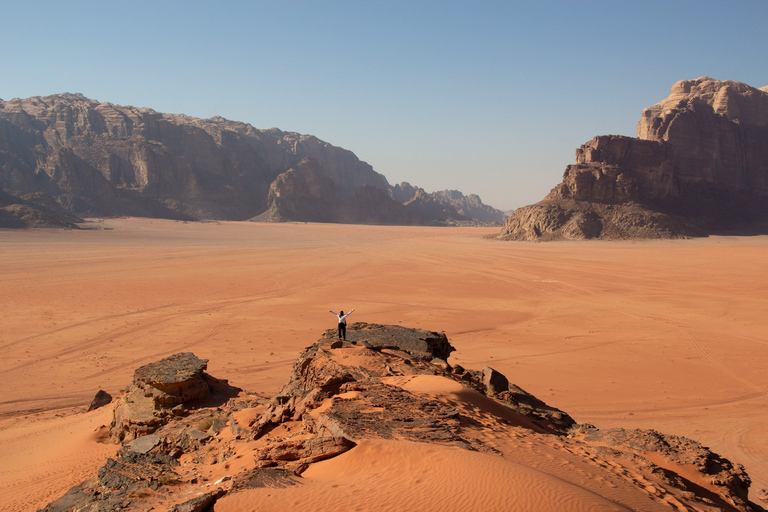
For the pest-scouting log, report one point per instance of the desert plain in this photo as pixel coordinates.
(669, 335)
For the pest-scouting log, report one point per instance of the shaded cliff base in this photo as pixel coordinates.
(36, 210)
(383, 422)
(711, 212)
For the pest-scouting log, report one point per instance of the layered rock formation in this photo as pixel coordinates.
(376, 386)
(100, 159)
(699, 165)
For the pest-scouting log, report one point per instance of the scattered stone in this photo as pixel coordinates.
(202, 503)
(307, 451)
(217, 426)
(337, 344)
(267, 477)
(494, 381)
(144, 444)
(442, 363)
(101, 399)
(199, 435)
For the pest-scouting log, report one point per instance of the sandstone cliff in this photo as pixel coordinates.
(306, 193)
(100, 159)
(699, 165)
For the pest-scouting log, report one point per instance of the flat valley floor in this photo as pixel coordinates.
(668, 335)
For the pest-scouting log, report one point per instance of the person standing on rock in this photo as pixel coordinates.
(342, 323)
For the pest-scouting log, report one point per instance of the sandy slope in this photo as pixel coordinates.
(668, 335)
(406, 476)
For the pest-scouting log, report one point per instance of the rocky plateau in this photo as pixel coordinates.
(175, 423)
(698, 166)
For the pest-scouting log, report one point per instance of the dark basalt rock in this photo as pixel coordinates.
(101, 399)
(419, 343)
(201, 503)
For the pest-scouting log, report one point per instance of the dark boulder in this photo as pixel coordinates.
(101, 399)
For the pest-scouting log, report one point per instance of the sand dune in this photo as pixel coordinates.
(667, 335)
(406, 476)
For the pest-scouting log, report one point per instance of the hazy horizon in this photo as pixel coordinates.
(488, 98)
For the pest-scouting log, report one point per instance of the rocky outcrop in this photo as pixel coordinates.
(101, 399)
(699, 165)
(341, 394)
(417, 343)
(34, 211)
(160, 392)
(730, 480)
(101, 159)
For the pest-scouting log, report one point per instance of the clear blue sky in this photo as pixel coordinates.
(488, 97)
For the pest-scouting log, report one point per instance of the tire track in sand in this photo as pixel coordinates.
(717, 364)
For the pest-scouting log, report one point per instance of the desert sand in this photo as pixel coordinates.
(669, 335)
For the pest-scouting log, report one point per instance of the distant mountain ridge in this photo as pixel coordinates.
(699, 165)
(101, 159)
(469, 207)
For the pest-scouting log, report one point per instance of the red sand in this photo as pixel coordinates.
(669, 335)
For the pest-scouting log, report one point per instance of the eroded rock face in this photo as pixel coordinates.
(699, 165)
(101, 159)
